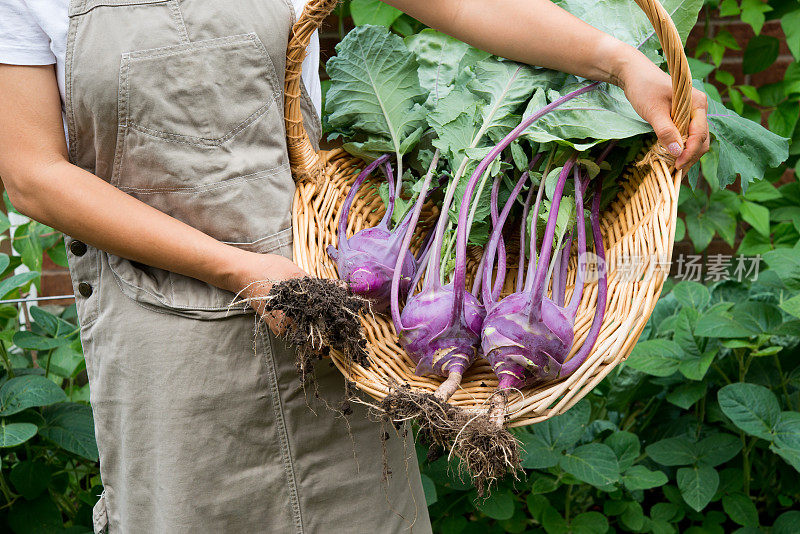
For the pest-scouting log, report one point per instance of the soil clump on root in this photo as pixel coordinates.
(487, 452)
(319, 315)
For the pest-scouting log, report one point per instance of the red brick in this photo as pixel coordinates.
(773, 74)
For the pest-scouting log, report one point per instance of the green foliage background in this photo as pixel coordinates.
(698, 432)
(49, 479)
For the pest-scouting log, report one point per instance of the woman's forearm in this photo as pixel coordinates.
(536, 32)
(85, 207)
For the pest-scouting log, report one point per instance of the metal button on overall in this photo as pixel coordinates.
(85, 289)
(78, 248)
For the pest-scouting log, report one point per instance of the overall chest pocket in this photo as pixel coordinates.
(201, 93)
(201, 138)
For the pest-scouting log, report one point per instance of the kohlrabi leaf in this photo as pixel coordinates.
(586, 120)
(743, 147)
(627, 22)
(439, 57)
(456, 121)
(504, 87)
(375, 99)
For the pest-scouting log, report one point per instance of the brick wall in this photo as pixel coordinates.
(55, 280)
(742, 32)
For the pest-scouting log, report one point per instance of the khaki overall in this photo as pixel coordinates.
(200, 423)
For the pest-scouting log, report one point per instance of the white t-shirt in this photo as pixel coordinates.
(34, 32)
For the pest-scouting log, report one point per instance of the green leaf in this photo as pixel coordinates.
(684, 396)
(787, 431)
(697, 485)
(664, 511)
(639, 477)
(537, 504)
(593, 463)
(12, 434)
(740, 509)
(504, 87)
(553, 522)
(603, 113)
(375, 95)
(15, 281)
(756, 216)
(657, 357)
(783, 120)
(566, 429)
(790, 456)
(373, 12)
(718, 448)
(692, 294)
(699, 69)
(633, 517)
(761, 52)
(58, 254)
(786, 523)
(673, 451)
(767, 351)
(701, 231)
(753, 14)
(499, 505)
(750, 92)
(25, 391)
(429, 488)
(589, 523)
(439, 57)
(4, 222)
(719, 322)
(696, 367)
(537, 453)
(30, 478)
(71, 426)
(792, 306)
(750, 407)
(786, 264)
(63, 361)
(543, 484)
(745, 147)
(754, 244)
(626, 446)
(762, 191)
(791, 28)
(39, 516)
(25, 339)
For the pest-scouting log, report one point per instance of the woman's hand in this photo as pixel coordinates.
(254, 277)
(649, 90)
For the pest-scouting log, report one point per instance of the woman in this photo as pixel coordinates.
(174, 187)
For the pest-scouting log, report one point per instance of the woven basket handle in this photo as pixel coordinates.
(305, 161)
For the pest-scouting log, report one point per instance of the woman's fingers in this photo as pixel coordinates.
(667, 133)
(697, 143)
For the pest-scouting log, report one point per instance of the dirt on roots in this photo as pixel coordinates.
(319, 315)
(487, 452)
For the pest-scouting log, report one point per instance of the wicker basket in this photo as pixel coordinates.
(640, 223)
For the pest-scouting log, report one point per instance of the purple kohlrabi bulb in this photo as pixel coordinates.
(437, 346)
(367, 264)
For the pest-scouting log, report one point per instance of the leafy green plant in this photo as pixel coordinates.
(49, 478)
(697, 432)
